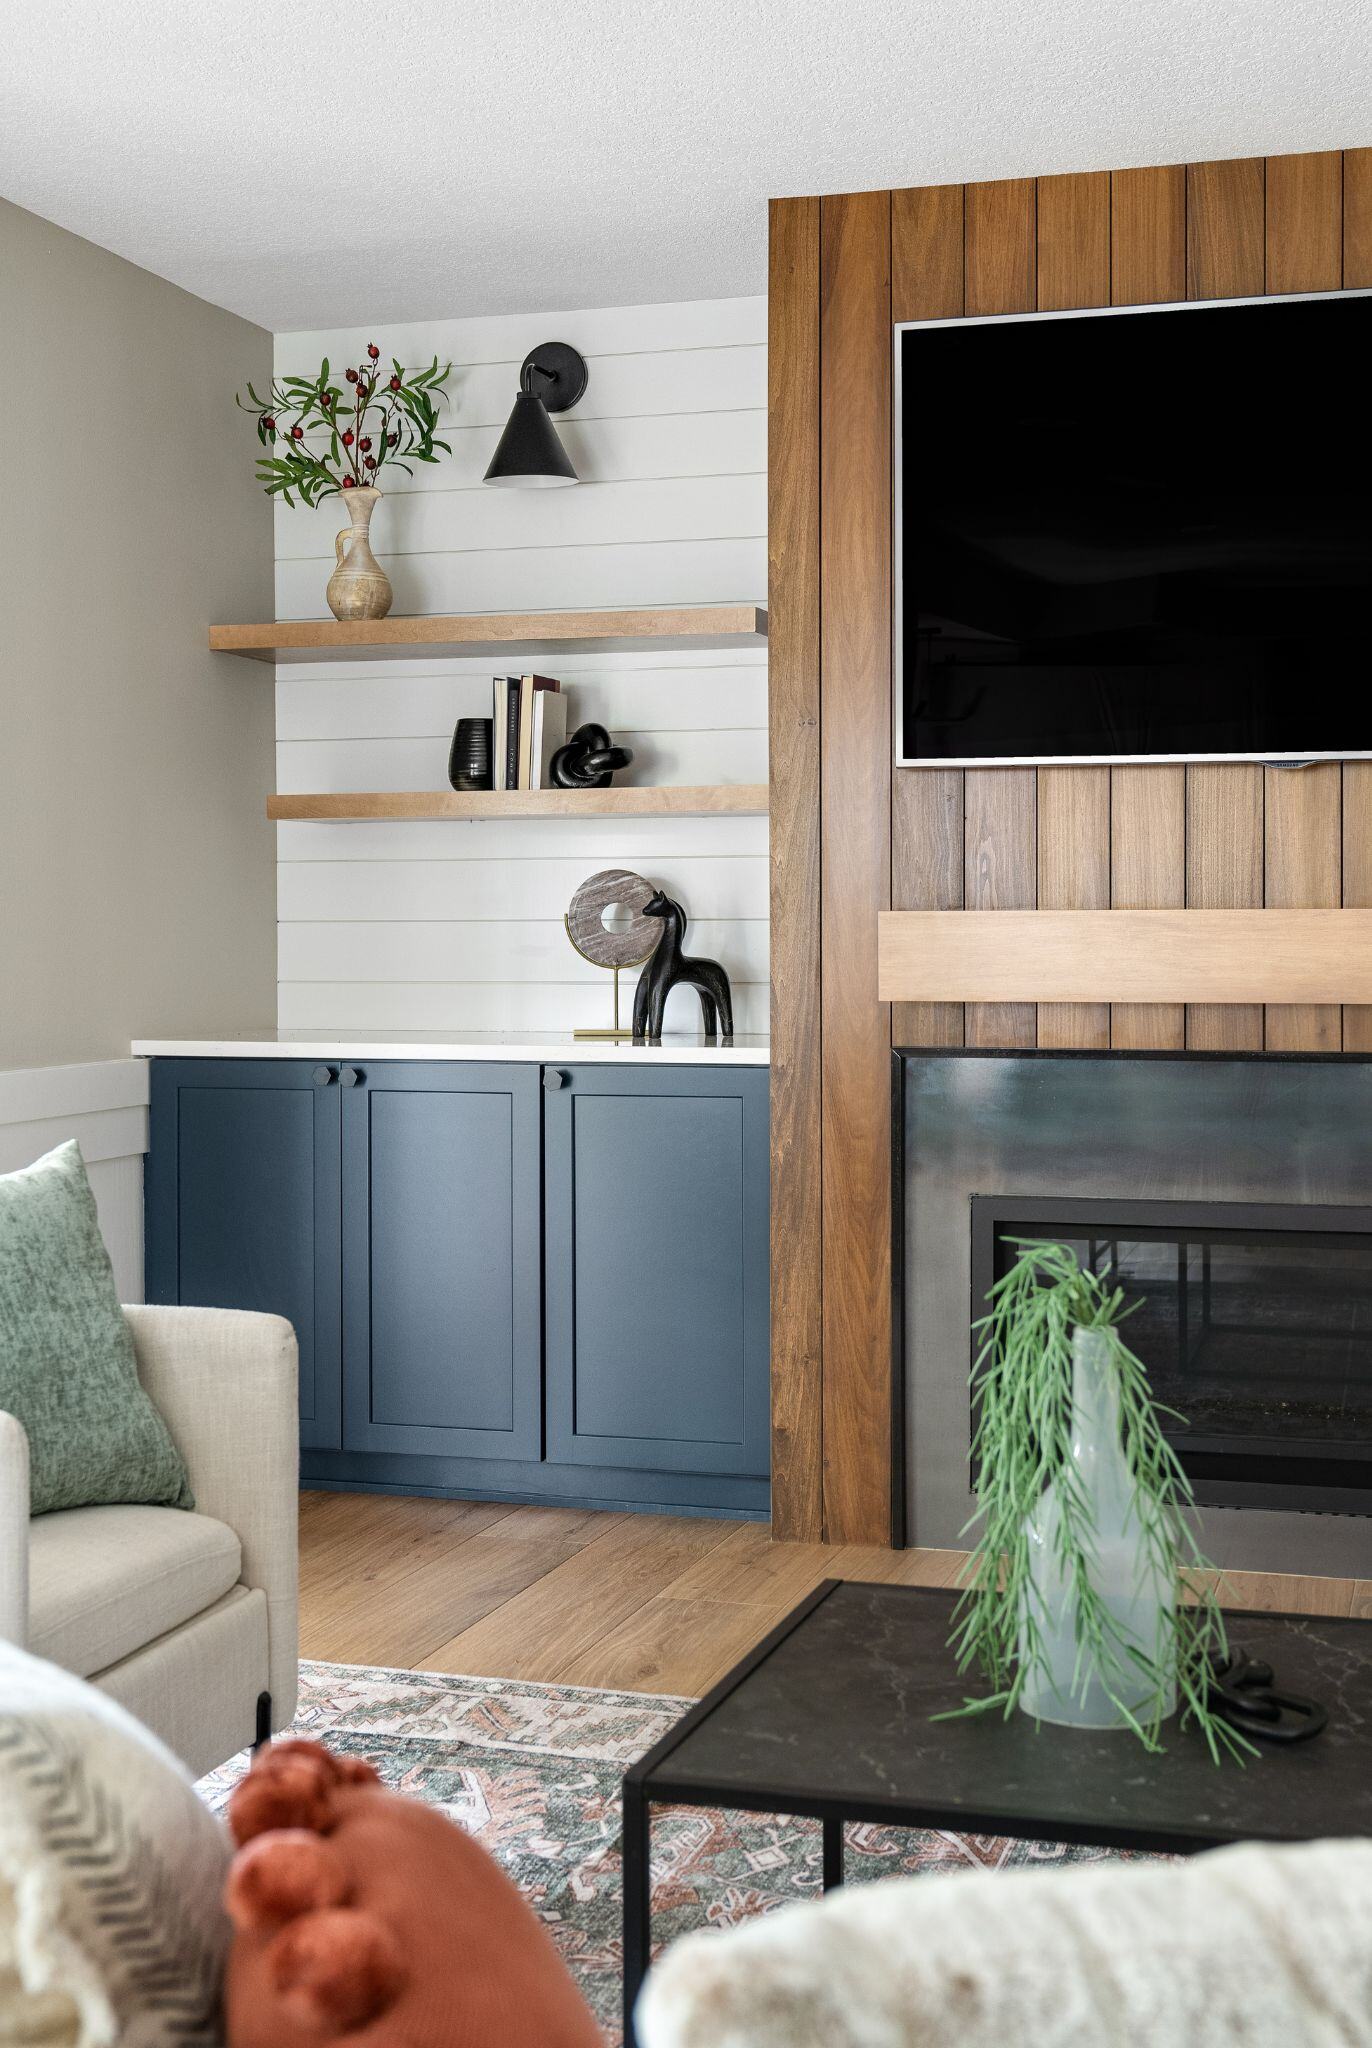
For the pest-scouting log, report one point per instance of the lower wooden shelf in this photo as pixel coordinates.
(727, 799)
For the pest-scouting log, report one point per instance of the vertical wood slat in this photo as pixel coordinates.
(1305, 222)
(1074, 874)
(1001, 836)
(1148, 236)
(1073, 266)
(927, 257)
(794, 767)
(1357, 882)
(1303, 869)
(1226, 230)
(1000, 260)
(1148, 872)
(1000, 276)
(1303, 851)
(1073, 804)
(1226, 257)
(855, 878)
(1357, 219)
(1224, 871)
(1357, 775)
(1148, 804)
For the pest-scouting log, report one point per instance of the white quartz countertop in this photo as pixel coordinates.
(683, 1049)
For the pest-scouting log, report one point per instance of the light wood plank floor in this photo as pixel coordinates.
(649, 1603)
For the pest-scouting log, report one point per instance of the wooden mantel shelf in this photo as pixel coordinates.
(728, 799)
(1124, 956)
(683, 627)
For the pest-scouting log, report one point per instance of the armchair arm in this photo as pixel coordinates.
(14, 1530)
(224, 1382)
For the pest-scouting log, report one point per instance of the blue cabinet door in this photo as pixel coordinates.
(242, 1206)
(441, 1234)
(656, 1265)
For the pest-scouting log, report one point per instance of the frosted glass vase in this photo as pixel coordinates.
(1137, 1587)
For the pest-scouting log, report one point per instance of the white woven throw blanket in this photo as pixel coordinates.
(1249, 1947)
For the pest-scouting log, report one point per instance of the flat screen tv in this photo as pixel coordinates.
(1135, 535)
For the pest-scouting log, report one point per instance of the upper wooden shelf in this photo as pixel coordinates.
(686, 627)
(726, 799)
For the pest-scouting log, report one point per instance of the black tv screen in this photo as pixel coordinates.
(1135, 535)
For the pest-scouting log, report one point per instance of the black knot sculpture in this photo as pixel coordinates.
(588, 760)
(670, 966)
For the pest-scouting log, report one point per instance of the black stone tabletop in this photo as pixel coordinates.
(837, 1718)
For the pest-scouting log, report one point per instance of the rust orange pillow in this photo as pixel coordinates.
(367, 1919)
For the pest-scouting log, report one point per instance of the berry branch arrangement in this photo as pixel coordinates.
(370, 419)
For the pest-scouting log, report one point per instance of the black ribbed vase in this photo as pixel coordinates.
(469, 758)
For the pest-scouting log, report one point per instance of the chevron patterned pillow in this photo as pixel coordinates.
(111, 1873)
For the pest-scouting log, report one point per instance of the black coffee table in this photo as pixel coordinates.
(830, 1717)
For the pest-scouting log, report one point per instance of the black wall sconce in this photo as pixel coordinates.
(529, 455)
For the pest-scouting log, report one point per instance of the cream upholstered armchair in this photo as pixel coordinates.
(187, 1619)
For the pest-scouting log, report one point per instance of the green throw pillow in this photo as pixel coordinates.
(67, 1367)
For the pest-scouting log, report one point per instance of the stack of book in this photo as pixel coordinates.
(529, 724)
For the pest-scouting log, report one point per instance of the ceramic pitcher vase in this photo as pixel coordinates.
(1137, 1586)
(359, 587)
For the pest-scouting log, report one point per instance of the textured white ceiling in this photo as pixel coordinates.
(307, 164)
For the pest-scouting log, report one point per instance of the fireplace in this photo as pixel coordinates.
(1230, 1197)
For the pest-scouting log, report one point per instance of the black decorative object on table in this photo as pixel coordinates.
(469, 758)
(670, 967)
(588, 760)
(1245, 1692)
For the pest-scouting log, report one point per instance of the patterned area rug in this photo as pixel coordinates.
(533, 1772)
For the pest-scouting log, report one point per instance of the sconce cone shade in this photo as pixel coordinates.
(528, 455)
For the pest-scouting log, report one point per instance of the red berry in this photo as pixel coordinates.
(297, 433)
(364, 389)
(348, 438)
(365, 443)
(326, 398)
(395, 383)
(391, 440)
(370, 461)
(349, 483)
(268, 422)
(373, 351)
(351, 376)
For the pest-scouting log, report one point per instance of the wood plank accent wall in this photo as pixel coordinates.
(851, 836)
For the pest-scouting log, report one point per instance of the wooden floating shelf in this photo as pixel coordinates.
(718, 800)
(684, 627)
(1124, 956)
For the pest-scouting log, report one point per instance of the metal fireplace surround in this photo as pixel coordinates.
(1235, 1193)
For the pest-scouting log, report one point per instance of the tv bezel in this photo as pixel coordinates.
(902, 327)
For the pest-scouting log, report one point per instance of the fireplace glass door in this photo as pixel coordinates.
(1254, 1323)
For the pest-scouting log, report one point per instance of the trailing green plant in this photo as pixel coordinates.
(323, 437)
(1023, 1393)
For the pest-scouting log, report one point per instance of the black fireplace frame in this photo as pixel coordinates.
(1307, 1479)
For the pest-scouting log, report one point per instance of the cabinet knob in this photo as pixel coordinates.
(323, 1076)
(351, 1077)
(553, 1077)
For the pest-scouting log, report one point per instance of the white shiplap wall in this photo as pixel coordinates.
(459, 926)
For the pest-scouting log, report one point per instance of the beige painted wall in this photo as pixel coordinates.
(137, 887)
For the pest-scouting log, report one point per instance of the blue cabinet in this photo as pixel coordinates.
(656, 1268)
(441, 1285)
(242, 1200)
(538, 1284)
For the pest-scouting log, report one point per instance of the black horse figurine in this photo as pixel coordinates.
(669, 966)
